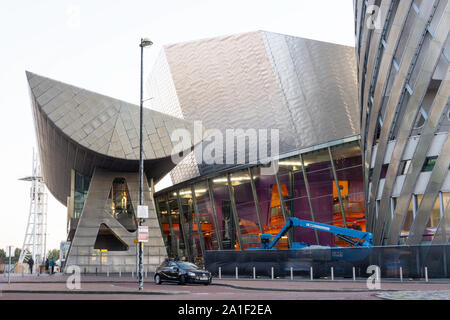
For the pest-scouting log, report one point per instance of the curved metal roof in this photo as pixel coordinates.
(80, 129)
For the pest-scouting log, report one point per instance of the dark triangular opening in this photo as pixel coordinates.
(108, 240)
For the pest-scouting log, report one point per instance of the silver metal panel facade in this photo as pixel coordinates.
(262, 80)
(318, 81)
(79, 129)
(404, 101)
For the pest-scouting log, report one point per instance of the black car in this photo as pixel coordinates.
(181, 272)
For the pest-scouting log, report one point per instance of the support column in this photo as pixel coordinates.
(308, 192)
(283, 209)
(336, 182)
(172, 234)
(234, 211)
(183, 230)
(255, 199)
(216, 222)
(159, 215)
(199, 226)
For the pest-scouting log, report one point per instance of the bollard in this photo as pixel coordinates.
(292, 273)
(220, 272)
(354, 274)
(107, 271)
(132, 274)
(426, 274)
(237, 275)
(145, 276)
(254, 273)
(271, 272)
(311, 272)
(401, 274)
(332, 274)
(120, 272)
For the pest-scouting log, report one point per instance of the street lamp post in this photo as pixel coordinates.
(144, 43)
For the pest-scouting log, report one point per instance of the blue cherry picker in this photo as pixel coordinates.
(302, 256)
(355, 238)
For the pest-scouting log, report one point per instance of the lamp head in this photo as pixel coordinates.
(145, 42)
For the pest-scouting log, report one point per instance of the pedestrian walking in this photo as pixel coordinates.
(30, 264)
(47, 264)
(52, 265)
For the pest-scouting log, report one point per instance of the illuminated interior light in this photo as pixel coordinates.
(290, 163)
(182, 193)
(124, 201)
(219, 180)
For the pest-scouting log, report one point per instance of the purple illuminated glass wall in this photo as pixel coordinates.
(309, 192)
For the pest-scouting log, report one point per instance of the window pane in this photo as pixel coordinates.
(163, 216)
(296, 200)
(269, 204)
(222, 202)
(321, 181)
(81, 189)
(206, 216)
(435, 217)
(246, 210)
(120, 204)
(408, 222)
(429, 163)
(180, 247)
(190, 222)
(348, 163)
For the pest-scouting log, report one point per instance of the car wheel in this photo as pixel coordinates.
(182, 279)
(157, 279)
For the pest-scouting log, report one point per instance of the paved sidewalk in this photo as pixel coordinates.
(236, 289)
(86, 288)
(416, 295)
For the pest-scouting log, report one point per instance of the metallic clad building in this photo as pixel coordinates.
(403, 73)
(89, 151)
(305, 88)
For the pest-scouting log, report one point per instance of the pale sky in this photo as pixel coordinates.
(94, 45)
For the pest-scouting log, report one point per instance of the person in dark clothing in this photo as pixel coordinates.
(30, 264)
(46, 265)
(52, 265)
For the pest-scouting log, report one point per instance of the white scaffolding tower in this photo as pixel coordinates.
(34, 244)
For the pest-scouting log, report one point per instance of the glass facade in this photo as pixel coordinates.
(223, 209)
(269, 204)
(120, 204)
(230, 211)
(204, 212)
(81, 188)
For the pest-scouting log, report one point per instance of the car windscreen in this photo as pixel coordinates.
(187, 265)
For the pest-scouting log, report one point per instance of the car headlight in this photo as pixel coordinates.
(191, 274)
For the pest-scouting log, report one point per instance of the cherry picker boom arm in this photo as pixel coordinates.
(364, 239)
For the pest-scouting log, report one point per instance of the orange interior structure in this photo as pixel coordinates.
(353, 210)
